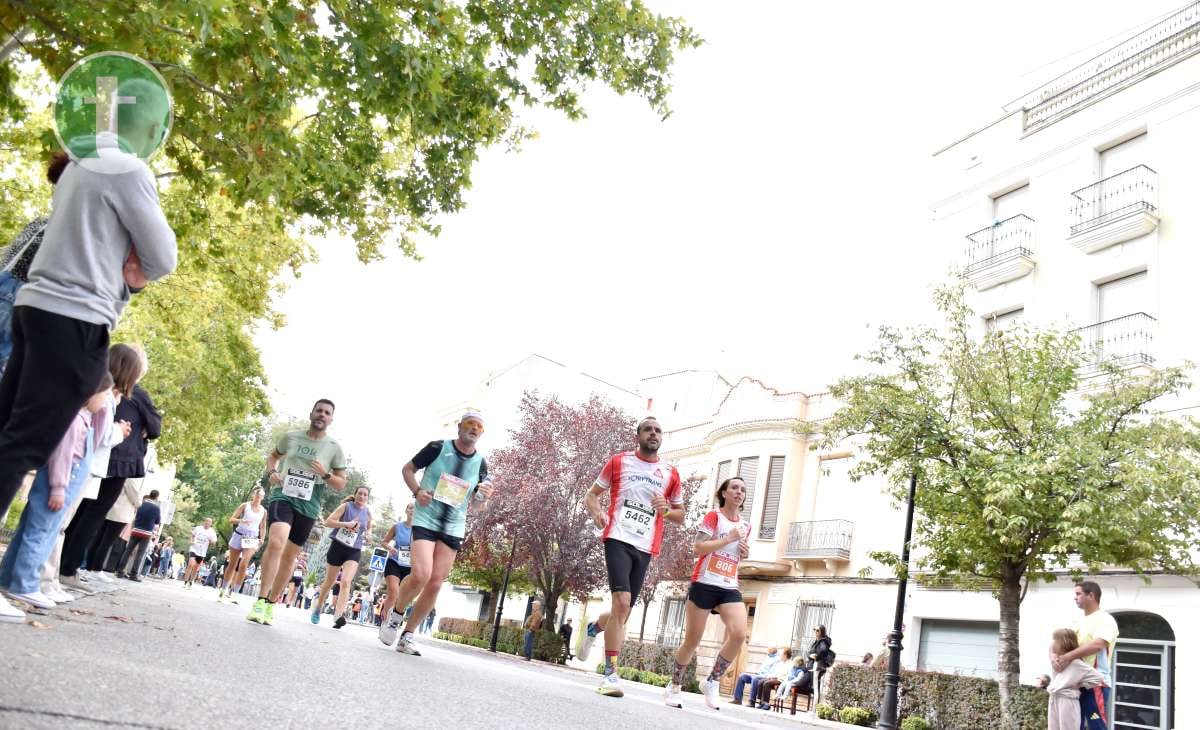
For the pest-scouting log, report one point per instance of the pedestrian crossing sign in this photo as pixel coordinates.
(377, 560)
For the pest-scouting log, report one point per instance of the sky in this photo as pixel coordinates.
(765, 228)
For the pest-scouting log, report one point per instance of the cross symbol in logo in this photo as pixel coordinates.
(106, 101)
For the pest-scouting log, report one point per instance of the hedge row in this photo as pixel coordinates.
(638, 675)
(547, 645)
(657, 659)
(945, 701)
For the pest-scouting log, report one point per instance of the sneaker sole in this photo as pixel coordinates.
(609, 692)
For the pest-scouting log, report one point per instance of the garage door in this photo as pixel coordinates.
(959, 647)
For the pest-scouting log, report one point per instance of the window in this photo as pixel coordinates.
(998, 322)
(1123, 156)
(748, 473)
(770, 514)
(1011, 203)
(810, 615)
(670, 624)
(1121, 297)
(722, 475)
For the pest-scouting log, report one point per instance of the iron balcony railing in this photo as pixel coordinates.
(1000, 242)
(1132, 191)
(822, 539)
(1125, 340)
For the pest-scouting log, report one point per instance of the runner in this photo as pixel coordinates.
(249, 521)
(395, 572)
(455, 478)
(721, 543)
(300, 467)
(352, 520)
(295, 589)
(641, 492)
(202, 537)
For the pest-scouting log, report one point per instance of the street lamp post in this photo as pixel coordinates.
(503, 593)
(891, 682)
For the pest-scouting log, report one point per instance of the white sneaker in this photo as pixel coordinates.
(37, 599)
(55, 592)
(74, 581)
(9, 613)
(105, 577)
(672, 698)
(712, 693)
(406, 645)
(387, 632)
(610, 686)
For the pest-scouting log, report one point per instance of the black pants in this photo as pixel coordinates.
(56, 364)
(87, 525)
(106, 550)
(135, 554)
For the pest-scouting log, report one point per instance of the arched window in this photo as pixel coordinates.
(1144, 696)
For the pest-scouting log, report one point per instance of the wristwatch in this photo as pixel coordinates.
(326, 475)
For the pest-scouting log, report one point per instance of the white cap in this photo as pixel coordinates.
(472, 414)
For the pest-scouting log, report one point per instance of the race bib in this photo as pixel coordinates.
(346, 537)
(637, 518)
(404, 557)
(451, 490)
(201, 546)
(299, 483)
(722, 567)
(249, 543)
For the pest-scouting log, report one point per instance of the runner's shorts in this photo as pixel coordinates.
(340, 554)
(197, 559)
(281, 510)
(391, 568)
(450, 541)
(709, 597)
(626, 567)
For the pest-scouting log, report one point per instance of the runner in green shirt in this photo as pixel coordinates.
(299, 469)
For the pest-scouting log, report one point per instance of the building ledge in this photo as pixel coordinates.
(755, 568)
(1125, 228)
(1001, 269)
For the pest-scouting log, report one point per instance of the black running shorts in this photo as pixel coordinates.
(450, 541)
(340, 554)
(709, 597)
(626, 567)
(281, 510)
(392, 568)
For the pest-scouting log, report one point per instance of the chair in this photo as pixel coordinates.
(811, 698)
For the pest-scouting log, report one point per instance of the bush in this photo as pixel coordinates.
(548, 647)
(860, 716)
(914, 723)
(944, 701)
(638, 675)
(826, 712)
(656, 659)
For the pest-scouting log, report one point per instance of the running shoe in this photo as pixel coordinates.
(221, 595)
(712, 693)
(268, 614)
(387, 632)
(257, 611)
(10, 613)
(339, 622)
(611, 686)
(406, 645)
(78, 584)
(315, 617)
(104, 577)
(592, 629)
(673, 697)
(56, 593)
(36, 599)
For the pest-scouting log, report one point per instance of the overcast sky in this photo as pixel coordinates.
(763, 229)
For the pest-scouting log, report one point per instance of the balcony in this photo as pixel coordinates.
(827, 540)
(1167, 42)
(1114, 210)
(1125, 341)
(1000, 253)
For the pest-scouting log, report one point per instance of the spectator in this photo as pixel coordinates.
(765, 670)
(428, 625)
(565, 632)
(866, 660)
(779, 673)
(1043, 681)
(168, 555)
(90, 532)
(533, 624)
(1096, 631)
(820, 657)
(1075, 677)
(145, 522)
(75, 296)
(792, 681)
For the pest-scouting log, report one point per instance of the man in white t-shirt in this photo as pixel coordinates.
(1097, 632)
(202, 537)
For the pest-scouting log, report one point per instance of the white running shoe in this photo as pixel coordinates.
(672, 697)
(387, 632)
(10, 613)
(587, 648)
(105, 577)
(610, 686)
(712, 693)
(56, 593)
(74, 581)
(406, 645)
(37, 599)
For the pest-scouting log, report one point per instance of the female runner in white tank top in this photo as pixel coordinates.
(249, 522)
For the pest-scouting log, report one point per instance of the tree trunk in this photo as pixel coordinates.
(549, 602)
(1010, 648)
(645, 610)
(493, 598)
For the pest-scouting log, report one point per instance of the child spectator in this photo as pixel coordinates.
(1063, 710)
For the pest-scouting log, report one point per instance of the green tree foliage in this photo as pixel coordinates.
(226, 479)
(1022, 459)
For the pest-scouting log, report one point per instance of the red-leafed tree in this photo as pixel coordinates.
(483, 560)
(541, 477)
(676, 559)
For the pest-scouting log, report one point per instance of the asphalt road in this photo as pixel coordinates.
(156, 656)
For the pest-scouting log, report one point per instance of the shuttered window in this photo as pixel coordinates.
(770, 513)
(748, 473)
(722, 475)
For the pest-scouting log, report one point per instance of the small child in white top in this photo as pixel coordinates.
(1063, 710)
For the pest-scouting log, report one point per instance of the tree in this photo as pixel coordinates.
(676, 560)
(541, 478)
(362, 118)
(1019, 464)
(483, 561)
(226, 479)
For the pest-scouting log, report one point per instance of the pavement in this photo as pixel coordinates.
(154, 655)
